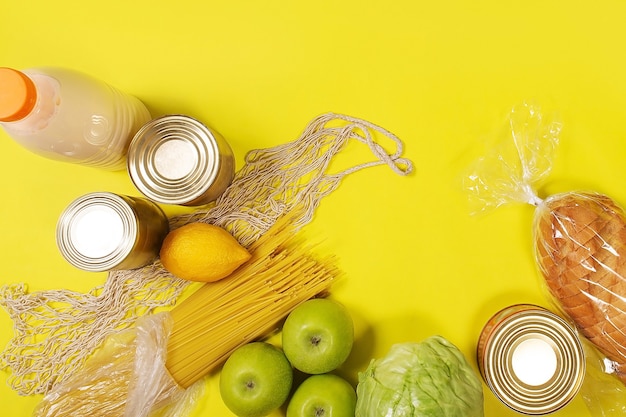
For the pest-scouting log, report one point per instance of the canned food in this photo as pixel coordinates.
(176, 159)
(105, 231)
(531, 359)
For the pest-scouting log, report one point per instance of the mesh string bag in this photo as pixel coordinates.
(56, 330)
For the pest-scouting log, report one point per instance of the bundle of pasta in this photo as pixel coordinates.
(580, 242)
(151, 368)
(579, 239)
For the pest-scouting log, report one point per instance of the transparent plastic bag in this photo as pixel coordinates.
(126, 377)
(603, 393)
(580, 248)
(514, 168)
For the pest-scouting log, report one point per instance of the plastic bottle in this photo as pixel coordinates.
(69, 116)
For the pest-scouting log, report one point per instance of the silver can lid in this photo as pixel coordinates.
(97, 231)
(531, 359)
(174, 159)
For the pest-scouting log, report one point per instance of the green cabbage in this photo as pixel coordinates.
(427, 379)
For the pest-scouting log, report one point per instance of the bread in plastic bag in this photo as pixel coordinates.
(136, 355)
(579, 244)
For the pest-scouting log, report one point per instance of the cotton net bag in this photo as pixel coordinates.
(56, 330)
(579, 240)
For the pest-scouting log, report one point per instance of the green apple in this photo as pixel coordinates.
(255, 380)
(317, 336)
(326, 395)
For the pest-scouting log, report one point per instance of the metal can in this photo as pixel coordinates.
(176, 159)
(105, 231)
(531, 359)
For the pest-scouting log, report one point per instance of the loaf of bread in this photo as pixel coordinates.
(580, 243)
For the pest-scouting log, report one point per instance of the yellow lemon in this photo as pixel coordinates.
(202, 252)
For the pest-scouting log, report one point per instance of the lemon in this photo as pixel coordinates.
(202, 252)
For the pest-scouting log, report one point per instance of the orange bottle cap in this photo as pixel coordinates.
(17, 95)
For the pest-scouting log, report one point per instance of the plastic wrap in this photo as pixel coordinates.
(126, 377)
(580, 248)
(515, 166)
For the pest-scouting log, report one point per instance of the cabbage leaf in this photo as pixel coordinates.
(431, 378)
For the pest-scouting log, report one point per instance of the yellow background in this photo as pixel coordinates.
(442, 75)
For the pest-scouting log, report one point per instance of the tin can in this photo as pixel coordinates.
(531, 359)
(176, 159)
(106, 231)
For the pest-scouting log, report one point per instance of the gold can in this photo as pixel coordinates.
(531, 359)
(176, 159)
(105, 231)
